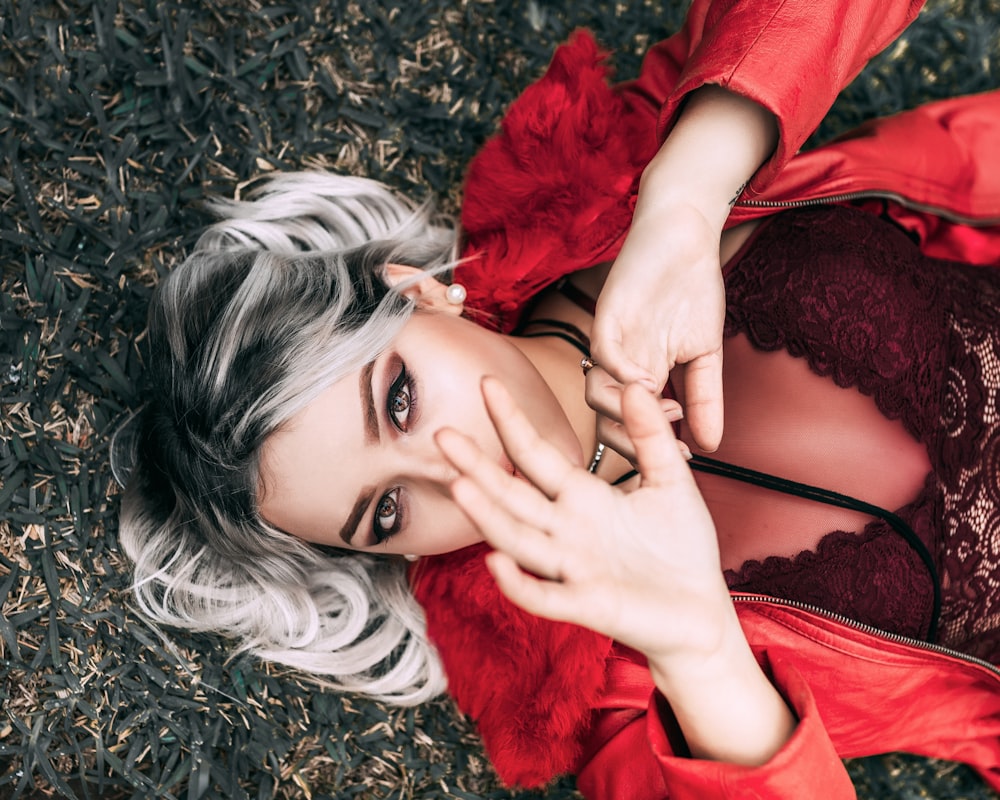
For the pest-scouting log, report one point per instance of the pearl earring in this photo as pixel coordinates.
(455, 294)
(411, 557)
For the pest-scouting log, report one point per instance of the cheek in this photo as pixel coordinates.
(441, 529)
(541, 405)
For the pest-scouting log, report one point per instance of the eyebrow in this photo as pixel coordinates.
(368, 404)
(354, 518)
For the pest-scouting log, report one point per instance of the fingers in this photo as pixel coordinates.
(526, 544)
(604, 394)
(538, 597)
(511, 515)
(614, 435)
(535, 457)
(703, 399)
(659, 459)
(520, 499)
(610, 352)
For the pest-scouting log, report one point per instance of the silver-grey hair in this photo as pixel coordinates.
(280, 299)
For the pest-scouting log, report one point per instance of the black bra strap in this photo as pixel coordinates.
(713, 466)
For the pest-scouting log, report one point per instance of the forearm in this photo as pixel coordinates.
(726, 707)
(790, 56)
(718, 143)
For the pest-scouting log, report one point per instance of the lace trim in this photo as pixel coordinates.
(853, 296)
(820, 495)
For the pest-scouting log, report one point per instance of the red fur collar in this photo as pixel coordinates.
(530, 684)
(555, 190)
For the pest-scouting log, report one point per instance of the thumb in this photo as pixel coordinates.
(703, 399)
(609, 353)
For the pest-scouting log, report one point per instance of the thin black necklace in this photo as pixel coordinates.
(565, 330)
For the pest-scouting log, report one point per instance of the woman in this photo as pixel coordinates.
(252, 412)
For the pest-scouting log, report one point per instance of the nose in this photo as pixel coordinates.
(422, 461)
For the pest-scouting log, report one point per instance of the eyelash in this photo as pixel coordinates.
(382, 534)
(402, 385)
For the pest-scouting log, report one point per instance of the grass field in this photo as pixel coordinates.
(116, 120)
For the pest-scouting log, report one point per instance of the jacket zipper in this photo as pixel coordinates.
(869, 194)
(869, 629)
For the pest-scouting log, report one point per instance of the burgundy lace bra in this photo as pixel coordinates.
(853, 296)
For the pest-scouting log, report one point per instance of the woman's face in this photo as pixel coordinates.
(358, 467)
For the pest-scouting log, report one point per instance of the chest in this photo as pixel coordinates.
(833, 359)
(784, 419)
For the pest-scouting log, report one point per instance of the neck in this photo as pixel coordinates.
(559, 365)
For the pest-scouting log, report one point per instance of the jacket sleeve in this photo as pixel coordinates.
(934, 169)
(636, 752)
(791, 56)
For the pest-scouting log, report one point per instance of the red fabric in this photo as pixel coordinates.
(853, 693)
(555, 191)
(529, 683)
(790, 56)
(569, 156)
(554, 194)
(937, 166)
(851, 296)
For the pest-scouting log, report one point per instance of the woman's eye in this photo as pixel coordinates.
(387, 516)
(400, 400)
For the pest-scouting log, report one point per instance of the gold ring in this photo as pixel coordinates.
(587, 364)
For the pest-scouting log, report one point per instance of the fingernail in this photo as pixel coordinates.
(685, 451)
(674, 413)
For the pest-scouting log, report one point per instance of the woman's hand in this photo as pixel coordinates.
(663, 304)
(641, 567)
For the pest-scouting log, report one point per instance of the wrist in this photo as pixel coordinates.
(668, 186)
(726, 707)
(683, 229)
(717, 144)
(721, 648)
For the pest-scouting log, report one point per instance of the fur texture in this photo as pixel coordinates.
(509, 670)
(569, 154)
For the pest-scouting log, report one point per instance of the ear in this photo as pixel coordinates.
(423, 289)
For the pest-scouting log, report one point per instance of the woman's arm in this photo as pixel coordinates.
(786, 60)
(725, 706)
(632, 751)
(791, 57)
(671, 258)
(642, 568)
(719, 141)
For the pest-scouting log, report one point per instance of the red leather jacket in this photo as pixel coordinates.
(554, 193)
